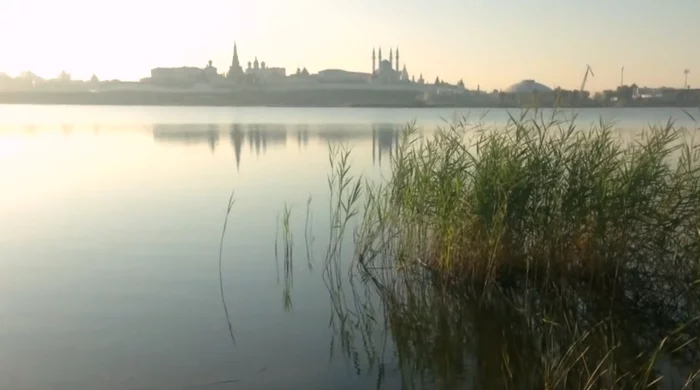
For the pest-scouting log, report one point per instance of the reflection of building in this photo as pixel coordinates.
(187, 134)
(385, 138)
(341, 133)
(302, 135)
(259, 136)
(237, 139)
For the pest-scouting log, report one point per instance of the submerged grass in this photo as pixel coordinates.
(575, 254)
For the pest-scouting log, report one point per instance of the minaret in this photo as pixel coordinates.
(397, 59)
(374, 59)
(391, 58)
(380, 58)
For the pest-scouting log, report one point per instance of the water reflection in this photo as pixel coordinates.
(385, 138)
(302, 134)
(440, 335)
(109, 227)
(187, 134)
(259, 137)
(237, 136)
(67, 129)
(639, 331)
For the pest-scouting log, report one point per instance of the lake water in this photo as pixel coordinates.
(110, 225)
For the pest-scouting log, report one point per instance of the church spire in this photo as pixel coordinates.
(235, 70)
(235, 63)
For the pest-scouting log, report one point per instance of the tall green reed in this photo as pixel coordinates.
(544, 198)
(579, 251)
(229, 206)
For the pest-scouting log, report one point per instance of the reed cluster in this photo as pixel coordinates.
(542, 200)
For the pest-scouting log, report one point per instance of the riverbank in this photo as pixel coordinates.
(291, 98)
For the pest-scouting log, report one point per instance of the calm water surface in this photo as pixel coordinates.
(110, 221)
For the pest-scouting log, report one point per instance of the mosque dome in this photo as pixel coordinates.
(528, 86)
(385, 65)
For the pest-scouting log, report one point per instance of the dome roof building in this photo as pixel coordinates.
(529, 86)
(387, 71)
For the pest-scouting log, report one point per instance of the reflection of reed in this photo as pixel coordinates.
(358, 312)
(449, 337)
(288, 253)
(308, 236)
(288, 263)
(559, 334)
(221, 278)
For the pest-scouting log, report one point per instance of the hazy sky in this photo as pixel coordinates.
(488, 43)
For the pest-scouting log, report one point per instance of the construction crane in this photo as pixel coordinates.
(589, 70)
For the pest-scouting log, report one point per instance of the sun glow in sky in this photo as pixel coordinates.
(487, 43)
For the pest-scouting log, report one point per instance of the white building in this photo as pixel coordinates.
(184, 74)
(343, 76)
(261, 73)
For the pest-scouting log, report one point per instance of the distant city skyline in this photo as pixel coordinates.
(486, 44)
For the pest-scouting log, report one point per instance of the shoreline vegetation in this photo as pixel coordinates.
(536, 256)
